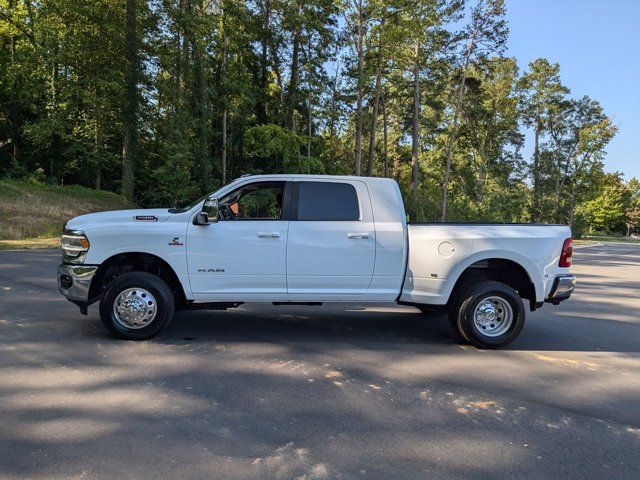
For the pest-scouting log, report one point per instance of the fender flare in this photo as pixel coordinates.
(527, 265)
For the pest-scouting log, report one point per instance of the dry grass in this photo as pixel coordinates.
(30, 243)
(582, 242)
(38, 212)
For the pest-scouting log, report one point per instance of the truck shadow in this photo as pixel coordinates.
(389, 327)
(354, 326)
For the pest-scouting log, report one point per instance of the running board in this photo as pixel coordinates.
(214, 305)
(308, 304)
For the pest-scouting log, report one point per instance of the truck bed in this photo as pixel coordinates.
(440, 252)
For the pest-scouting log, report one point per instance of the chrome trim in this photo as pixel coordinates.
(562, 289)
(81, 276)
(68, 231)
(135, 308)
(493, 316)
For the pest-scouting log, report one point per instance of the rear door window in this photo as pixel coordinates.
(327, 201)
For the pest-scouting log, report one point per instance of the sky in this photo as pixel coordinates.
(597, 44)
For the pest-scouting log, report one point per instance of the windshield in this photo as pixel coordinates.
(188, 207)
(201, 199)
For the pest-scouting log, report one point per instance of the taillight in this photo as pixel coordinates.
(567, 253)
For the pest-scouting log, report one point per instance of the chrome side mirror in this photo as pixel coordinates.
(210, 207)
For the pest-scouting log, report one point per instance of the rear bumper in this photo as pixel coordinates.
(74, 282)
(562, 288)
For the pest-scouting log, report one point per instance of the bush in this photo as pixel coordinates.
(605, 213)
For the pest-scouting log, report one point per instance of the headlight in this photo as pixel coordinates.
(74, 245)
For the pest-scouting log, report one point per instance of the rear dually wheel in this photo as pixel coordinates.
(487, 314)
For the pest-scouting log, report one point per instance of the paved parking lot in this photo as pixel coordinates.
(321, 393)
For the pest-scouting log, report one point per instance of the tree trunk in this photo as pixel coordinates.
(414, 132)
(310, 125)
(292, 90)
(334, 97)
(96, 147)
(376, 101)
(452, 140)
(309, 135)
(535, 210)
(572, 202)
(309, 98)
(559, 190)
(130, 138)
(374, 122)
(224, 146)
(471, 45)
(276, 70)
(480, 187)
(179, 39)
(15, 120)
(199, 94)
(264, 63)
(56, 142)
(385, 138)
(225, 43)
(360, 52)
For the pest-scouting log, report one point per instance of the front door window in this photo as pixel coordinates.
(256, 201)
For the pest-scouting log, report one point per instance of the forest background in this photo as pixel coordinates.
(163, 101)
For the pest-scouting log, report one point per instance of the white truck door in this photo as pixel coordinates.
(331, 246)
(243, 255)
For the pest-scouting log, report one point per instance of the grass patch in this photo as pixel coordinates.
(598, 238)
(583, 242)
(37, 212)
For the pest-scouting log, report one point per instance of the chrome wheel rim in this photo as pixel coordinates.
(135, 308)
(493, 316)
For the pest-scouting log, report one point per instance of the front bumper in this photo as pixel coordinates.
(74, 282)
(562, 288)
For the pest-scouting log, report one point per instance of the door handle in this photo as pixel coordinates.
(357, 235)
(269, 234)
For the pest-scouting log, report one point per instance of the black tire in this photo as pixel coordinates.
(164, 305)
(457, 297)
(463, 306)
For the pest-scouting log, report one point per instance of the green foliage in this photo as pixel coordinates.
(286, 77)
(605, 213)
(273, 144)
(271, 148)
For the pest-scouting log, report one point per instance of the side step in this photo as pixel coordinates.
(214, 305)
(308, 304)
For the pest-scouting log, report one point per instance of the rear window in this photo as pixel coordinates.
(327, 201)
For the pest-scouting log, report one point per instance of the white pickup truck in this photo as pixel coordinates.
(297, 239)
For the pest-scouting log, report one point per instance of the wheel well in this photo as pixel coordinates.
(500, 270)
(123, 263)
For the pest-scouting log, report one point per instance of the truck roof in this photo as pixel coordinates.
(299, 176)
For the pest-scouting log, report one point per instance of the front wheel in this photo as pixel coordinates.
(137, 306)
(488, 314)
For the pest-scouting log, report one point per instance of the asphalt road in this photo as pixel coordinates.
(312, 393)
